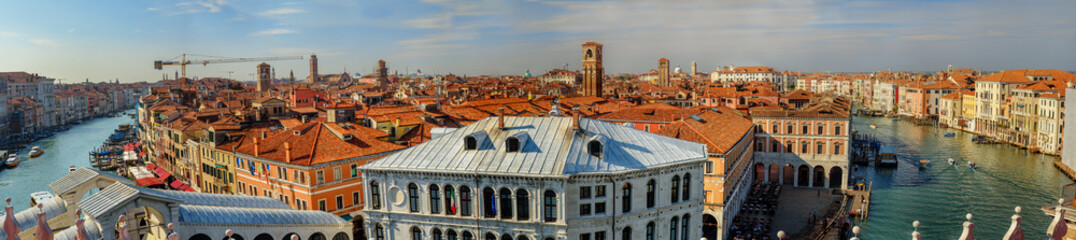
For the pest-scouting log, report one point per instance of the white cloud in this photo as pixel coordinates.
(281, 11)
(930, 37)
(10, 34)
(269, 32)
(44, 42)
(210, 6)
(152, 9)
(71, 30)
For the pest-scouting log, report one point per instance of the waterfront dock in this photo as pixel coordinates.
(861, 200)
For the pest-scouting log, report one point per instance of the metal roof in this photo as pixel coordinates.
(552, 149)
(118, 193)
(27, 218)
(80, 176)
(231, 215)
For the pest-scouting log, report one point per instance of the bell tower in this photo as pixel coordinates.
(593, 71)
(265, 81)
(663, 72)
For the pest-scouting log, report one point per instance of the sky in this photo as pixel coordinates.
(110, 39)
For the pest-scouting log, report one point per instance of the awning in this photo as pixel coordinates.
(162, 174)
(346, 217)
(150, 167)
(176, 184)
(149, 182)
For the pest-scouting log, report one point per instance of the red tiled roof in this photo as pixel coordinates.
(719, 128)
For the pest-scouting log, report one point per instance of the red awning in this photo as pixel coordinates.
(176, 184)
(138, 144)
(150, 167)
(162, 174)
(149, 182)
(142, 154)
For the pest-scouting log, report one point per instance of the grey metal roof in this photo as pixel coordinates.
(118, 193)
(80, 176)
(230, 215)
(551, 149)
(27, 218)
(92, 231)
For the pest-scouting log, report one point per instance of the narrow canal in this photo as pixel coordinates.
(62, 150)
(939, 196)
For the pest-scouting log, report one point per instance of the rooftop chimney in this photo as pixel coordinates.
(287, 151)
(257, 145)
(575, 118)
(500, 118)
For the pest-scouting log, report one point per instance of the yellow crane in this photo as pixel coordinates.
(159, 64)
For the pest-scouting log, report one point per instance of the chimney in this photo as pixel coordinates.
(257, 147)
(500, 118)
(575, 118)
(287, 151)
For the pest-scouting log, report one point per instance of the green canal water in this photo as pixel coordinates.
(62, 150)
(940, 196)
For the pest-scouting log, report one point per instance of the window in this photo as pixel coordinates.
(336, 174)
(437, 234)
(506, 203)
(683, 226)
(599, 191)
(321, 204)
(625, 234)
(523, 208)
(585, 236)
(687, 186)
(599, 208)
(709, 167)
(803, 147)
(626, 198)
(650, 191)
(467, 235)
(412, 193)
(790, 127)
(650, 231)
(465, 201)
(450, 200)
(375, 195)
(550, 206)
(470, 143)
(595, 147)
(805, 129)
(788, 146)
(599, 235)
(775, 127)
(489, 202)
(354, 170)
(672, 228)
(821, 129)
(675, 189)
(837, 149)
(819, 146)
(379, 232)
(759, 145)
(416, 234)
(320, 177)
(584, 192)
(837, 129)
(339, 202)
(506, 237)
(355, 198)
(452, 233)
(435, 199)
(584, 209)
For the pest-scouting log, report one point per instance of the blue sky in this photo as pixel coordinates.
(110, 39)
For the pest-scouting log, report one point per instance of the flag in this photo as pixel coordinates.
(452, 200)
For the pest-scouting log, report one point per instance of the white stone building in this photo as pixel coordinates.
(884, 96)
(516, 178)
(1050, 121)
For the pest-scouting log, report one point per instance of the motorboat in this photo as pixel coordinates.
(887, 160)
(949, 134)
(952, 162)
(923, 163)
(12, 161)
(971, 165)
(874, 125)
(72, 168)
(36, 151)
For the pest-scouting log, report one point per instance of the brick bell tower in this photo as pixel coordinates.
(593, 71)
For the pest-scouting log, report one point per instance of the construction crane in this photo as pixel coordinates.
(159, 64)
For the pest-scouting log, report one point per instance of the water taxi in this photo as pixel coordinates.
(887, 160)
(12, 160)
(949, 134)
(36, 151)
(874, 125)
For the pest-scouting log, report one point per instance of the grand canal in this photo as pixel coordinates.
(62, 150)
(941, 195)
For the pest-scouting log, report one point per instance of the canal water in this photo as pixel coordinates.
(940, 196)
(62, 150)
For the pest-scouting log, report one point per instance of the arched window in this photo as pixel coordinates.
(672, 228)
(625, 234)
(467, 235)
(650, 189)
(837, 149)
(437, 234)
(379, 232)
(506, 237)
(549, 201)
(523, 208)
(683, 226)
(521, 237)
(450, 200)
(506, 204)
(595, 148)
(416, 234)
(489, 202)
(650, 231)
(803, 147)
(626, 199)
(412, 191)
(465, 201)
(687, 186)
(674, 190)
(820, 148)
(375, 195)
(470, 143)
(452, 235)
(435, 199)
(491, 236)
